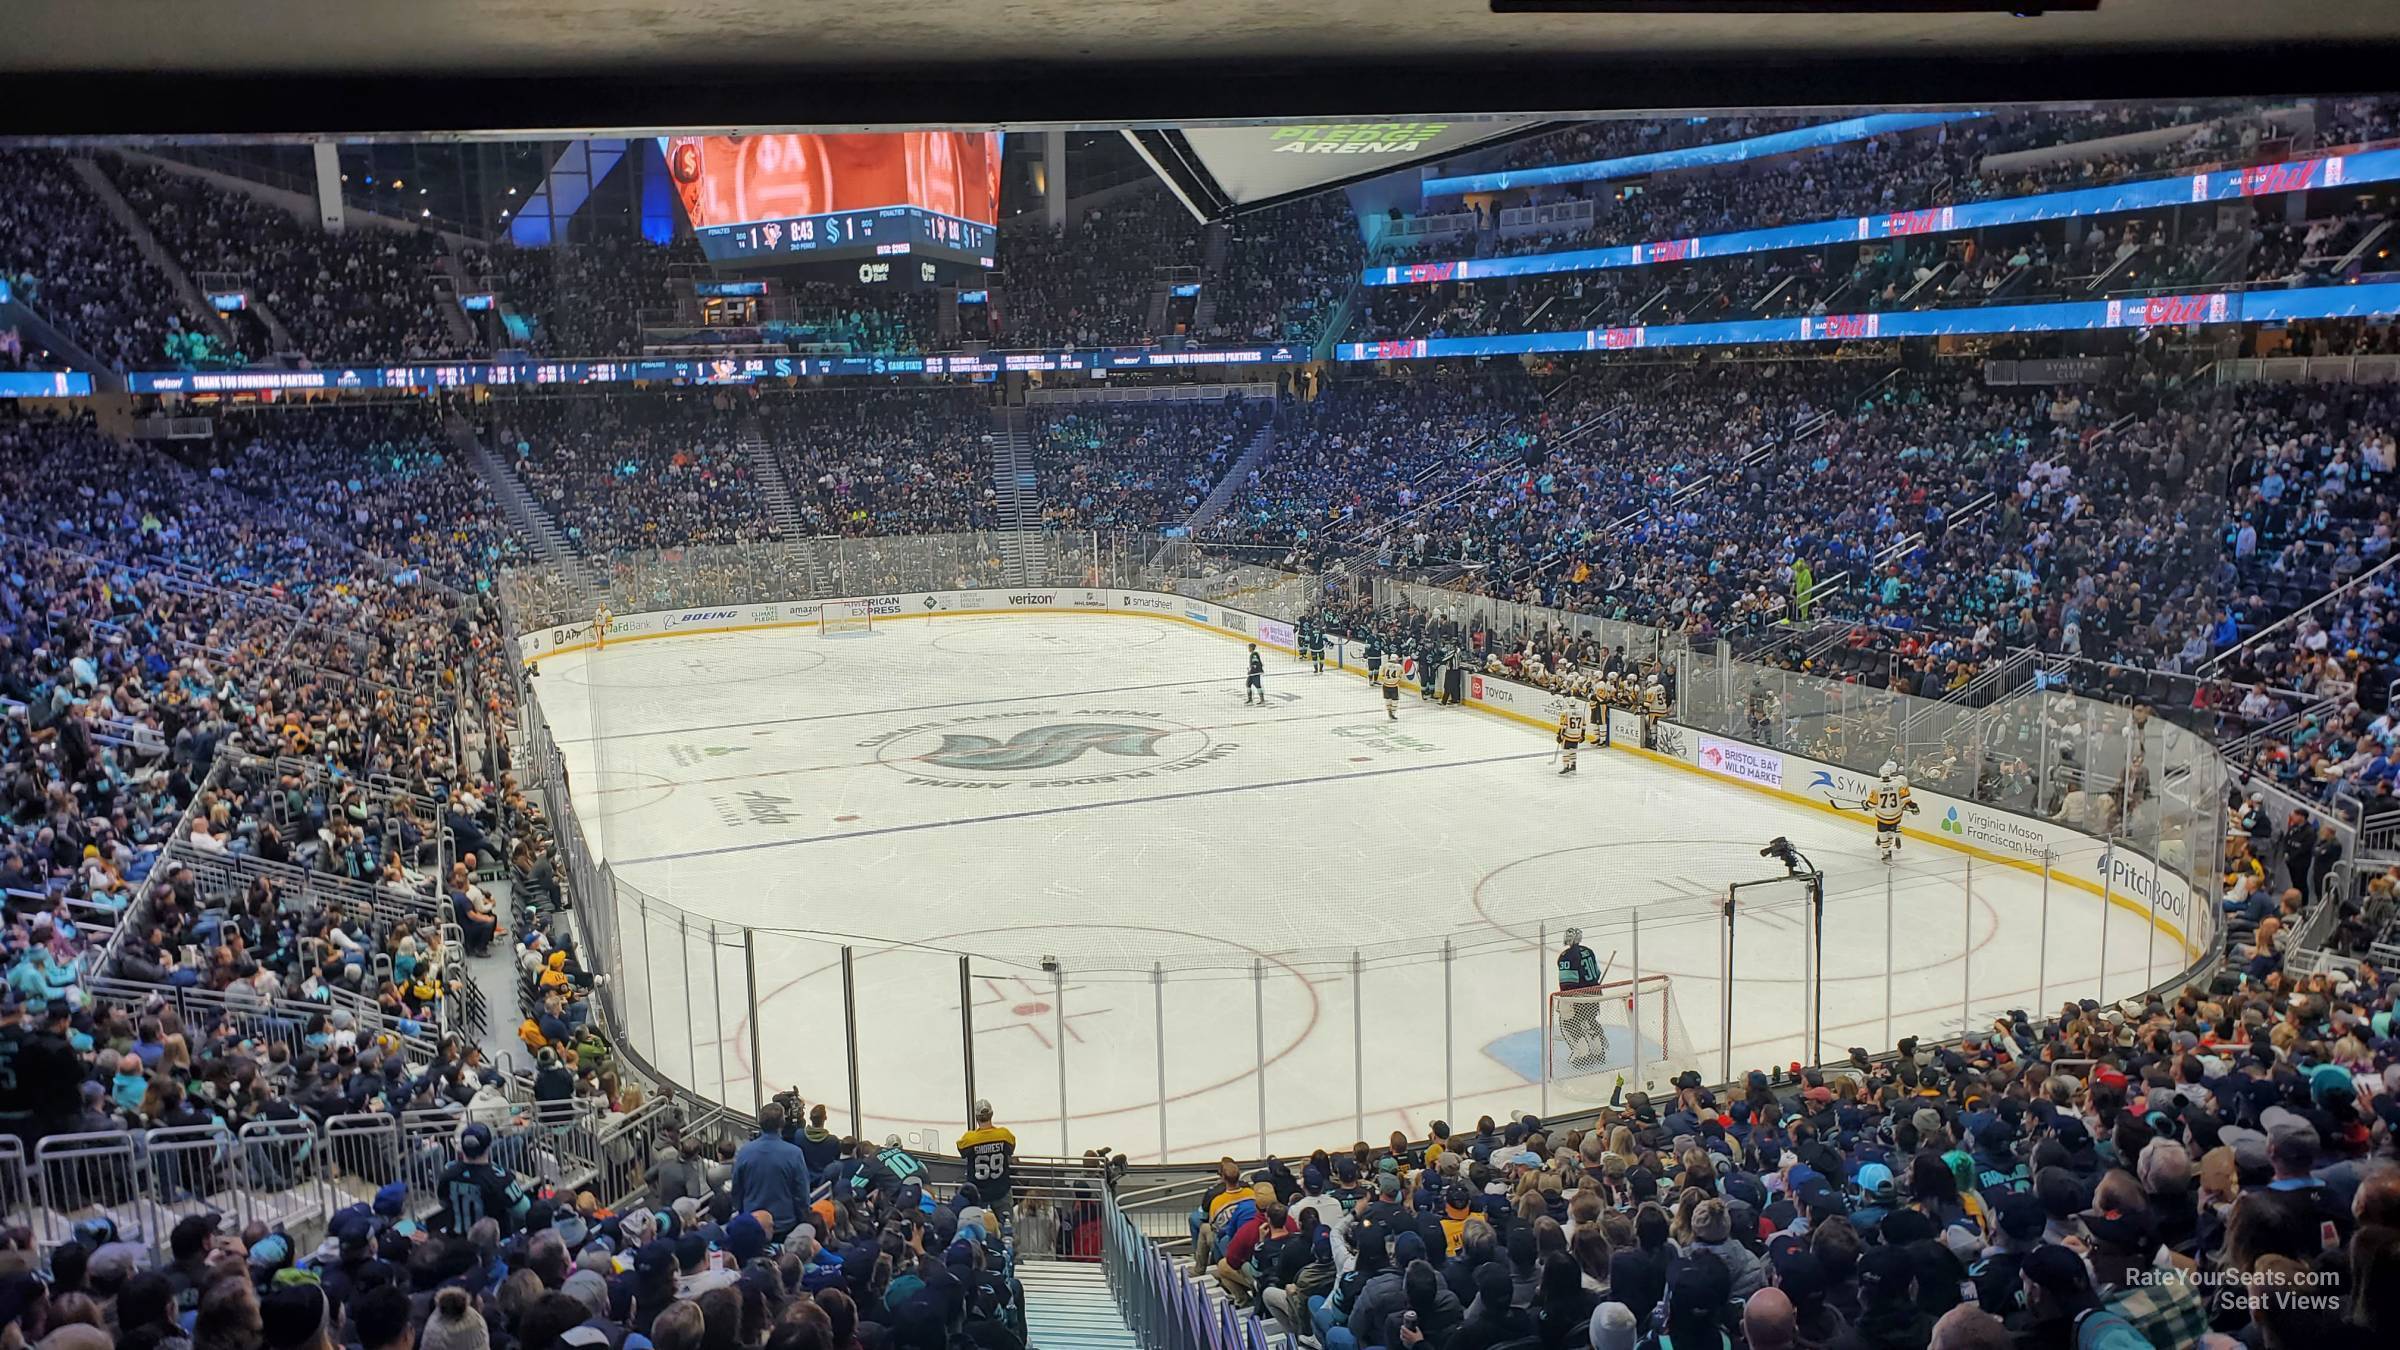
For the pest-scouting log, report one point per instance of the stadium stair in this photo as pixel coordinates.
(42, 335)
(766, 470)
(121, 211)
(1204, 314)
(495, 973)
(449, 283)
(1068, 1307)
(280, 335)
(507, 489)
(1019, 499)
(1220, 496)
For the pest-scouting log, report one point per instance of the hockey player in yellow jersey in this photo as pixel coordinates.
(1654, 698)
(601, 619)
(1389, 676)
(1887, 801)
(1570, 737)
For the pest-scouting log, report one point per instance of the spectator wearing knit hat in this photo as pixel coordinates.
(455, 1324)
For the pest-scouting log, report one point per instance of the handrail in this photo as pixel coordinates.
(1795, 434)
(1822, 586)
(2296, 615)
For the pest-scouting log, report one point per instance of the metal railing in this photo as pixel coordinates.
(294, 1174)
(2335, 596)
(1165, 1305)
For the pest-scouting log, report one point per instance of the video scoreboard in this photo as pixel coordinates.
(881, 209)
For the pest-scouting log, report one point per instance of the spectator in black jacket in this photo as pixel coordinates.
(1888, 1312)
(820, 1147)
(1478, 1246)
(1637, 1276)
(1438, 1310)
(1562, 1307)
(1494, 1319)
(553, 1081)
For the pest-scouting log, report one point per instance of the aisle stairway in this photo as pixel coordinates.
(1068, 1307)
(1236, 477)
(766, 473)
(1019, 492)
(121, 211)
(495, 973)
(516, 500)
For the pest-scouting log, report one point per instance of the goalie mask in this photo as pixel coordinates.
(1574, 937)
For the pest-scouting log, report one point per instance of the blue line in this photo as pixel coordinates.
(1063, 810)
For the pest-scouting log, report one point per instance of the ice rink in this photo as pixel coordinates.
(1366, 908)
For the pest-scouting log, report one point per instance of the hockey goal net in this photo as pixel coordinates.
(1627, 1028)
(845, 616)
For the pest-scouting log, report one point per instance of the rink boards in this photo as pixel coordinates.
(1279, 928)
(2121, 875)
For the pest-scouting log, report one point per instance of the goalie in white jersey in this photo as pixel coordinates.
(1887, 801)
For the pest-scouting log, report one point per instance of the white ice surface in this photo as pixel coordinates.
(1190, 860)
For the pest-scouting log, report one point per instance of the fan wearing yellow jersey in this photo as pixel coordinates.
(991, 1154)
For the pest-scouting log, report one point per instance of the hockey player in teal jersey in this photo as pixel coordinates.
(1586, 1038)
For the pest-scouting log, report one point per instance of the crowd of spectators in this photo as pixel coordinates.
(1924, 168)
(1286, 271)
(2210, 1169)
(385, 476)
(377, 294)
(1361, 454)
(885, 462)
(636, 473)
(356, 297)
(1708, 500)
(2109, 257)
(64, 258)
(305, 589)
(852, 319)
(587, 297)
(1091, 285)
(1136, 466)
(1617, 138)
(157, 615)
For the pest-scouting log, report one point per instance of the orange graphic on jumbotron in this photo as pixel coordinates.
(736, 180)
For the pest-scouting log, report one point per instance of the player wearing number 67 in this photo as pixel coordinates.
(1570, 736)
(991, 1154)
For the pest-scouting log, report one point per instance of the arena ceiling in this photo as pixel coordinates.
(125, 67)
